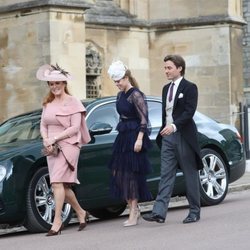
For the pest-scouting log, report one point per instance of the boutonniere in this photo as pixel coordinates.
(180, 95)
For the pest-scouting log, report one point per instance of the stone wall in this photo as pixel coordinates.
(180, 9)
(246, 50)
(130, 46)
(31, 36)
(208, 37)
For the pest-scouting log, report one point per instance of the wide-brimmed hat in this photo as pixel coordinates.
(52, 73)
(117, 70)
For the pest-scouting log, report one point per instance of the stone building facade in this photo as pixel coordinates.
(86, 36)
(246, 50)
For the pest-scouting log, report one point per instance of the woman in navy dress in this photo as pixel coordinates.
(129, 163)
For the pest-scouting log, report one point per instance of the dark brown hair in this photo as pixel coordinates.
(178, 61)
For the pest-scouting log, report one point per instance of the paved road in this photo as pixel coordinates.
(242, 184)
(225, 226)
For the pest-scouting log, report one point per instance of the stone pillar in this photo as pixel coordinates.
(246, 49)
(33, 33)
(67, 46)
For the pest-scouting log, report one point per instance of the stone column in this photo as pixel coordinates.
(33, 33)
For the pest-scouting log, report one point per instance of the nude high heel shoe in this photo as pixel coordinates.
(139, 209)
(133, 218)
(126, 221)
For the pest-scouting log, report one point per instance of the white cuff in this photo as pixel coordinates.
(175, 129)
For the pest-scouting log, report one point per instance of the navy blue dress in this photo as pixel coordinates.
(129, 168)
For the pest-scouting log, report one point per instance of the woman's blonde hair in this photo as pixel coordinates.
(50, 97)
(131, 79)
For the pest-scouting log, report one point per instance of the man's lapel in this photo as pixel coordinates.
(164, 96)
(179, 90)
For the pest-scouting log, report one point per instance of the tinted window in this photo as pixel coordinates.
(154, 109)
(105, 114)
(20, 129)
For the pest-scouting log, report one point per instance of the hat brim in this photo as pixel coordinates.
(117, 78)
(42, 74)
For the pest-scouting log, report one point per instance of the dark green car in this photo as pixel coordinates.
(25, 194)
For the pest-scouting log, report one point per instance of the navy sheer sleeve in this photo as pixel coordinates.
(141, 107)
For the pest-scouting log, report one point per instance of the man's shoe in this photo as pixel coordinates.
(191, 218)
(153, 217)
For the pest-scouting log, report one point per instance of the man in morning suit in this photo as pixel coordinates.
(179, 142)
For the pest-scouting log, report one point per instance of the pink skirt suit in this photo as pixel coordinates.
(69, 118)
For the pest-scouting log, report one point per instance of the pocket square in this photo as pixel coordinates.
(180, 95)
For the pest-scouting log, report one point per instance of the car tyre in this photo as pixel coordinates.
(213, 178)
(40, 204)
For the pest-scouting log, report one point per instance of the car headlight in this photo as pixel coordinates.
(2, 172)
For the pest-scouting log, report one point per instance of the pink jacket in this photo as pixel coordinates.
(63, 116)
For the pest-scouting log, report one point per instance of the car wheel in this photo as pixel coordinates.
(41, 205)
(213, 178)
(108, 212)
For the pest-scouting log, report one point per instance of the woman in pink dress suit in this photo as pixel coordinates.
(63, 123)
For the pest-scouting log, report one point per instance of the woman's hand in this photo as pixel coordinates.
(48, 142)
(138, 145)
(48, 150)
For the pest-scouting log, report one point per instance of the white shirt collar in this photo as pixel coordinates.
(177, 82)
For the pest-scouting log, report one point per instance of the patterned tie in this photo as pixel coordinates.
(170, 97)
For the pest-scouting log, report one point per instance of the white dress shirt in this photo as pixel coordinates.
(169, 105)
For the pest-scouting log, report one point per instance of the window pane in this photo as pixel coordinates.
(20, 129)
(105, 114)
(154, 109)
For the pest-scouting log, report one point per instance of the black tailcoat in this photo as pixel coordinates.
(185, 104)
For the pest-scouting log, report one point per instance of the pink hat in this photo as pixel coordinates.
(52, 73)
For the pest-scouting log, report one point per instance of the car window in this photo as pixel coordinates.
(154, 111)
(106, 114)
(20, 129)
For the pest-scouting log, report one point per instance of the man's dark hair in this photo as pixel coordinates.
(178, 61)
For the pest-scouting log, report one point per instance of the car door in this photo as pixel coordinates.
(93, 172)
(154, 111)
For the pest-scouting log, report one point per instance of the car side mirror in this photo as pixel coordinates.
(100, 128)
